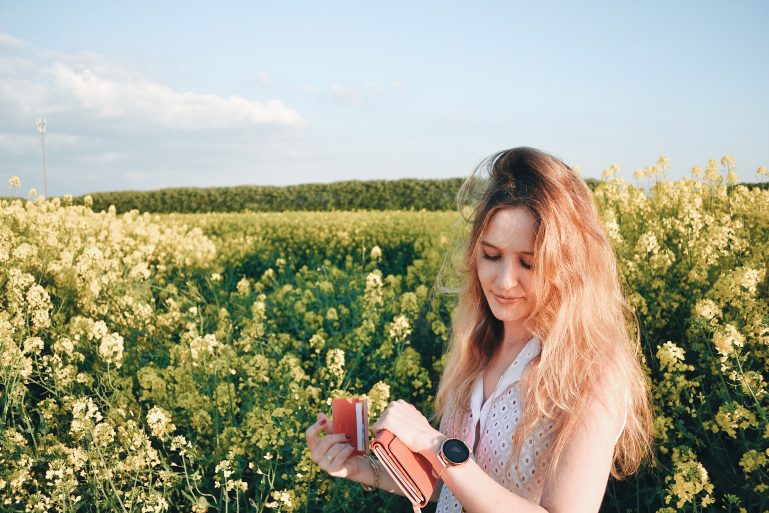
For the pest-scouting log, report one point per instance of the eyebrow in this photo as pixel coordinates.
(489, 244)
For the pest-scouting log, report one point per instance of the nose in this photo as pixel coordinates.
(507, 278)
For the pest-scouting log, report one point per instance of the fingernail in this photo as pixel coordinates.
(323, 422)
(348, 436)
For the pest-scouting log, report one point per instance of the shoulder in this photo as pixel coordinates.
(605, 415)
(606, 405)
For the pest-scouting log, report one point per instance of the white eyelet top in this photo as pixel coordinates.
(499, 416)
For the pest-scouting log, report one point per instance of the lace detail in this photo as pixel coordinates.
(498, 418)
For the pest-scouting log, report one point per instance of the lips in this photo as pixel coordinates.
(504, 299)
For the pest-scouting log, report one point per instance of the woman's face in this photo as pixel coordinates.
(504, 262)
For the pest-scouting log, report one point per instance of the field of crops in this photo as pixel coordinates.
(172, 362)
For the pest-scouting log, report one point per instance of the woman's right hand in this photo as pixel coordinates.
(332, 452)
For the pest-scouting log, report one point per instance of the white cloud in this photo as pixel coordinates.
(8, 41)
(345, 96)
(373, 86)
(95, 88)
(111, 126)
(397, 84)
(264, 79)
(105, 96)
(20, 143)
(109, 156)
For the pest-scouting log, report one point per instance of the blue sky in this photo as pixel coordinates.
(144, 95)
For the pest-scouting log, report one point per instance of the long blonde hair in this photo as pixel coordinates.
(589, 335)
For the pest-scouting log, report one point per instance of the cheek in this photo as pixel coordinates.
(485, 274)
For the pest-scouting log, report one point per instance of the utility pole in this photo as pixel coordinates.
(41, 129)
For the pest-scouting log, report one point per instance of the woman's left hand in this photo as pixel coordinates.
(410, 426)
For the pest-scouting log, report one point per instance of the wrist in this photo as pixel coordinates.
(437, 441)
(447, 452)
(361, 472)
(370, 479)
(431, 453)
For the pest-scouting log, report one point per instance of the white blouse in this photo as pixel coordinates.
(498, 417)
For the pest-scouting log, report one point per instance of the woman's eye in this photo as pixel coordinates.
(497, 257)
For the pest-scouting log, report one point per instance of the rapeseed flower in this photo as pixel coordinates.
(689, 480)
(111, 349)
(159, 422)
(727, 340)
(335, 363)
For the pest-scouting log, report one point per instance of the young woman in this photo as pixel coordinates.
(543, 395)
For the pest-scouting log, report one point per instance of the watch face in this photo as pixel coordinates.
(456, 451)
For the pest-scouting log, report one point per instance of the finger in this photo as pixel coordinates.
(338, 454)
(328, 441)
(313, 431)
(342, 455)
(326, 422)
(327, 460)
(321, 446)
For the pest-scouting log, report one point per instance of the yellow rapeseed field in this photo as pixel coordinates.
(153, 363)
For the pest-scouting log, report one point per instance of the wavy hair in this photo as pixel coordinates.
(589, 335)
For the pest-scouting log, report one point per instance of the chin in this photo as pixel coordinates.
(507, 316)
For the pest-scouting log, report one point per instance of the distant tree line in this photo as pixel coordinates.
(404, 194)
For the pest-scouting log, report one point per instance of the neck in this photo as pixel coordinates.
(515, 336)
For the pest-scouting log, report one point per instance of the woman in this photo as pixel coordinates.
(542, 382)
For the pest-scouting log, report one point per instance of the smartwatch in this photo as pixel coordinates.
(453, 452)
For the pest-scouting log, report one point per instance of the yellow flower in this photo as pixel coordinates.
(400, 328)
(33, 345)
(727, 161)
(708, 310)
(160, 423)
(753, 460)
(243, 287)
(111, 349)
(85, 414)
(378, 398)
(103, 434)
(282, 499)
(610, 172)
(14, 182)
(335, 363)
(733, 416)
(669, 354)
(726, 339)
(317, 342)
(689, 480)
